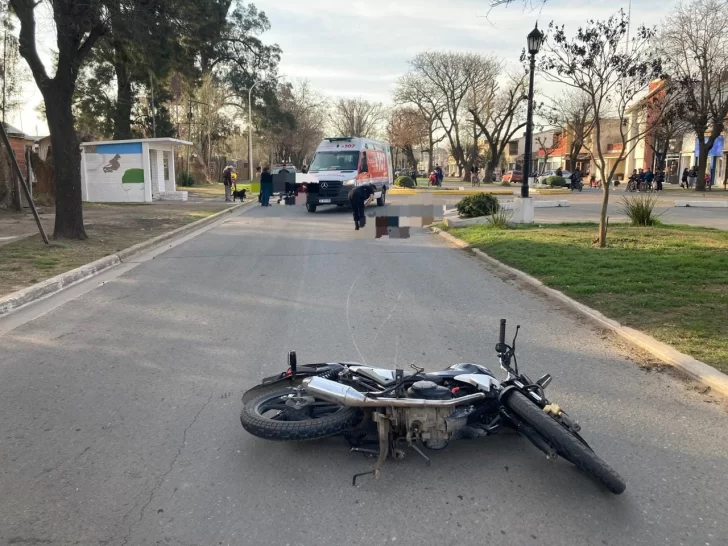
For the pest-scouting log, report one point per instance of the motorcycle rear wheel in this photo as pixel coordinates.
(565, 443)
(290, 425)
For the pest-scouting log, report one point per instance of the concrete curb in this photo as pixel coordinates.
(702, 204)
(700, 371)
(54, 285)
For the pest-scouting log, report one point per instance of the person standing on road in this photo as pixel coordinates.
(227, 180)
(266, 186)
(360, 197)
(414, 175)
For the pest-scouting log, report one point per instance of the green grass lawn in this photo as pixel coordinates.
(668, 281)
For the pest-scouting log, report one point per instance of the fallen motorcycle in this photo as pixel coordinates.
(400, 409)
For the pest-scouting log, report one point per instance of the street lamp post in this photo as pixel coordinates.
(250, 130)
(534, 41)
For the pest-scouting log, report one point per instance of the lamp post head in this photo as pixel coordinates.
(534, 40)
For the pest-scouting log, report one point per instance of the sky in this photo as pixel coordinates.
(361, 47)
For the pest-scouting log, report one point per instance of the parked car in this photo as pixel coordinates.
(513, 176)
(275, 169)
(566, 175)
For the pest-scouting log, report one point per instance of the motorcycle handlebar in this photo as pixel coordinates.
(502, 337)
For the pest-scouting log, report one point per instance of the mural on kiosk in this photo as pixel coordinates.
(116, 163)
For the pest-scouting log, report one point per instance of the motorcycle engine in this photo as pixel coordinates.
(435, 426)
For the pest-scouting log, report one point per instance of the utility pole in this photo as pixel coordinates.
(189, 132)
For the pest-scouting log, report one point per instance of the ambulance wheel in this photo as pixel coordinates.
(310, 207)
(383, 198)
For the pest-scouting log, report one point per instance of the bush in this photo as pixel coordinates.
(640, 209)
(404, 182)
(500, 219)
(185, 179)
(505, 183)
(480, 204)
(556, 181)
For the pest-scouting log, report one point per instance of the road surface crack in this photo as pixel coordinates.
(161, 479)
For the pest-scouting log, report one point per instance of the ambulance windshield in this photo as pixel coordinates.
(335, 161)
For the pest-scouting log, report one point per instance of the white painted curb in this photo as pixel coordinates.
(700, 371)
(702, 204)
(54, 285)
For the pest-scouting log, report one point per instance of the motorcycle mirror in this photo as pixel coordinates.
(545, 381)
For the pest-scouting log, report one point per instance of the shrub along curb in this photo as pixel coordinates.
(21, 298)
(700, 371)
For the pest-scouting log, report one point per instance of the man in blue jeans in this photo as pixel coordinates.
(266, 186)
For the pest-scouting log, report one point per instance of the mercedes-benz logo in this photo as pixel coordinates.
(324, 184)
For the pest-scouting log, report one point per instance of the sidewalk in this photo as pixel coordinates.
(25, 260)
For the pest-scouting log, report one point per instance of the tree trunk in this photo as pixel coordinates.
(67, 163)
(489, 170)
(430, 150)
(702, 166)
(603, 213)
(124, 100)
(410, 155)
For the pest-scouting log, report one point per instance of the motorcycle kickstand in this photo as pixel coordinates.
(422, 454)
(384, 429)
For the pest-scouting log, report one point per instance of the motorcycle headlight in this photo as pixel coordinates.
(351, 182)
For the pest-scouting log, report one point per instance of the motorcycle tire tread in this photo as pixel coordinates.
(286, 431)
(566, 444)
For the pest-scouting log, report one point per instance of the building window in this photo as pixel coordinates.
(513, 148)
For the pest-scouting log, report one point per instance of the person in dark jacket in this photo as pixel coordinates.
(649, 178)
(227, 180)
(266, 186)
(684, 180)
(360, 197)
(440, 174)
(659, 179)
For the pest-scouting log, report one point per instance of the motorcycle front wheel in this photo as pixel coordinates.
(277, 416)
(565, 443)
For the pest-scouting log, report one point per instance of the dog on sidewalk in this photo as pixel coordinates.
(240, 194)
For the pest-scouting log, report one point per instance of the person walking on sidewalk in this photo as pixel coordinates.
(266, 186)
(360, 197)
(227, 180)
(684, 180)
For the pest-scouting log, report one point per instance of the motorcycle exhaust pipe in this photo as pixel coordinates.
(331, 391)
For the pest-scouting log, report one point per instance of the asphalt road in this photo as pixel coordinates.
(120, 408)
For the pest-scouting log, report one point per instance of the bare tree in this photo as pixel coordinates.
(308, 108)
(694, 42)
(500, 115)
(406, 131)
(671, 126)
(614, 80)
(358, 117)
(422, 95)
(572, 112)
(458, 82)
(548, 143)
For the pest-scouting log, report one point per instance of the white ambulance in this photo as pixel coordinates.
(344, 162)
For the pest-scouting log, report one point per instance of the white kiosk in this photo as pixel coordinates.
(130, 171)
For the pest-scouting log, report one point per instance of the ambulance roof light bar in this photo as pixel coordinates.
(340, 139)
